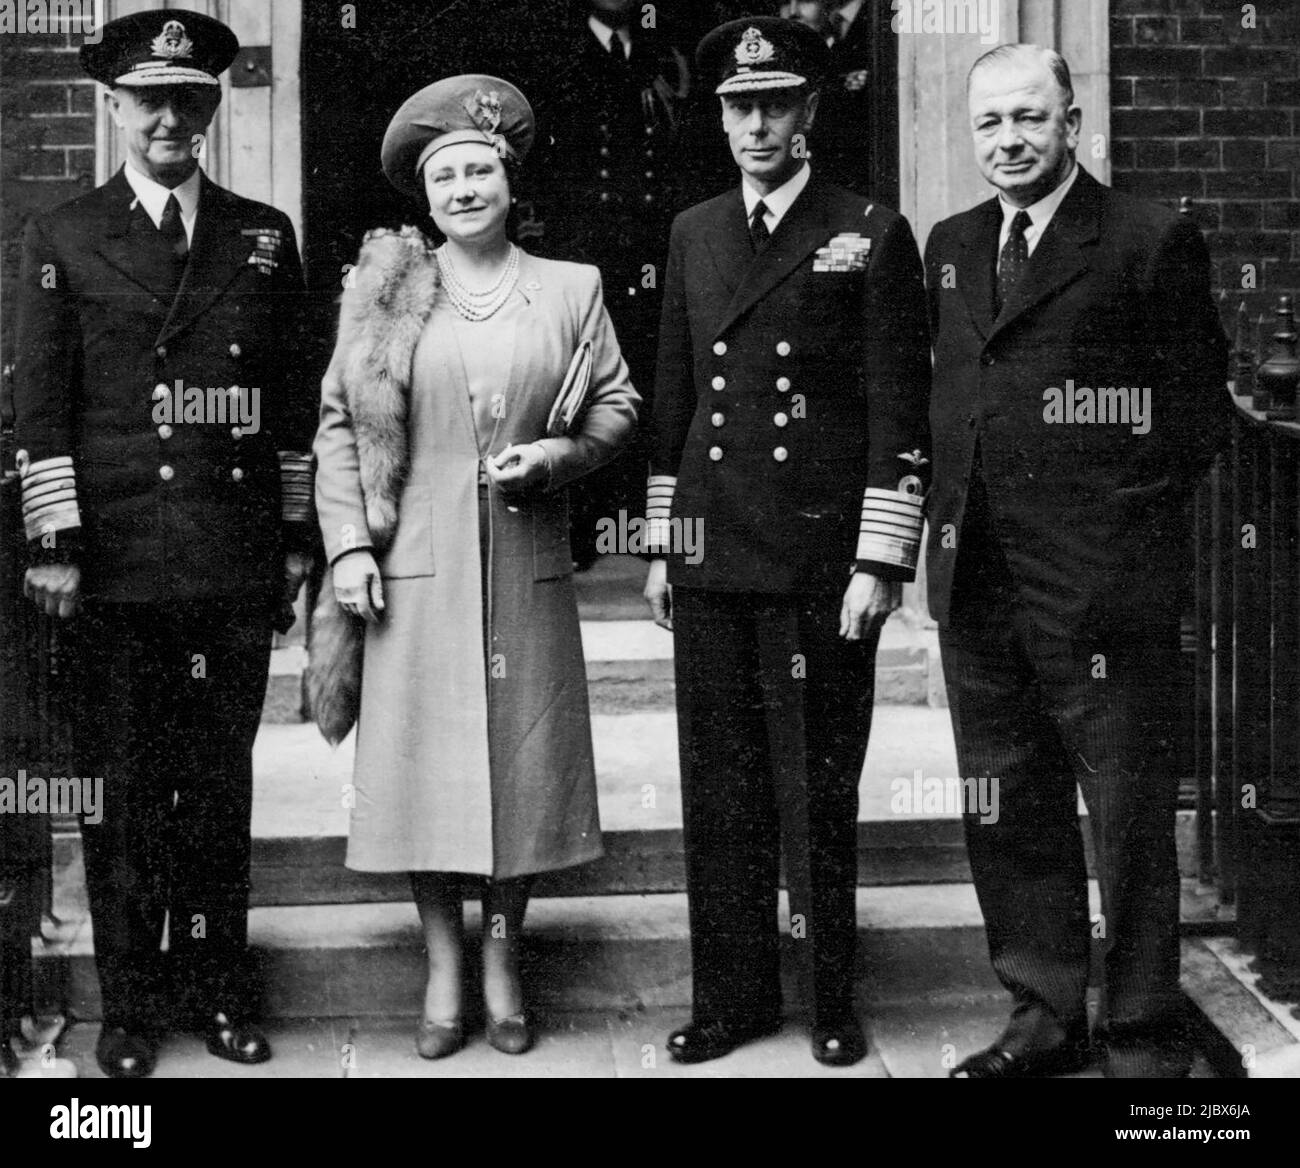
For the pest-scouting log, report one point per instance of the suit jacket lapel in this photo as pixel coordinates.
(802, 229)
(1062, 253)
(218, 253)
(979, 264)
(117, 235)
(730, 247)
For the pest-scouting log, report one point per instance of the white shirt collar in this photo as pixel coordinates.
(779, 201)
(153, 196)
(1040, 213)
(606, 36)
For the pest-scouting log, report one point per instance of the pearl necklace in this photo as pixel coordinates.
(478, 305)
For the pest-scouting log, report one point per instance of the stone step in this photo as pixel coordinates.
(626, 953)
(630, 667)
(582, 953)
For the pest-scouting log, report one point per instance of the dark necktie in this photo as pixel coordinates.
(173, 231)
(1012, 261)
(758, 232)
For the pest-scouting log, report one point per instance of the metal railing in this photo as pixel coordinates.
(1247, 624)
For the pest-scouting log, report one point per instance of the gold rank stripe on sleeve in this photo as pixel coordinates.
(296, 488)
(49, 495)
(890, 532)
(658, 508)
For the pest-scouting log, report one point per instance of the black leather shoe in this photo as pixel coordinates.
(996, 1063)
(235, 1040)
(125, 1054)
(699, 1042)
(839, 1044)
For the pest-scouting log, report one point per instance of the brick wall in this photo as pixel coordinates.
(47, 107)
(1202, 106)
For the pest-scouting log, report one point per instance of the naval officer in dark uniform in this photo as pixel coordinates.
(788, 441)
(163, 414)
(609, 107)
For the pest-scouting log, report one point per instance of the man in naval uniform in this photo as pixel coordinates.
(609, 107)
(162, 418)
(788, 441)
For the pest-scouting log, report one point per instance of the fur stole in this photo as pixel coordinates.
(384, 308)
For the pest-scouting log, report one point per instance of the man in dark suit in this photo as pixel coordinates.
(163, 414)
(784, 501)
(1078, 398)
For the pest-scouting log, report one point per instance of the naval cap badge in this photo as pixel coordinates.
(172, 41)
(753, 49)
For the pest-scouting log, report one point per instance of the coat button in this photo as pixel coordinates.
(781, 419)
(783, 384)
(986, 359)
(160, 391)
(720, 348)
(166, 473)
(715, 453)
(970, 420)
(237, 474)
(604, 196)
(236, 351)
(718, 419)
(164, 431)
(780, 454)
(649, 198)
(719, 382)
(604, 173)
(604, 152)
(783, 348)
(236, 432)
(160, 352)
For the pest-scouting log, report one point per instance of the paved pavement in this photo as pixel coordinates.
(918, 1038)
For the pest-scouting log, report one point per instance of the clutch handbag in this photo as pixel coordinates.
(573, 393)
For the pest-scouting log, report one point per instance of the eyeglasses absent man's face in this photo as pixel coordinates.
(768, 133)
(163, 126)
(468, 191)
(1025, 135)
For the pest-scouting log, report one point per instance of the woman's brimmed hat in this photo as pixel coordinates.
(472, 107)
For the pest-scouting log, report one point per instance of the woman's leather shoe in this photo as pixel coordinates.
(840, 1044)
(236, 1041)
(699, 1042)
(510, 1035)
(435, 1040)
(124, 1054)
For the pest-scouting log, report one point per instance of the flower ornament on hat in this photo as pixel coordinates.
(162, 47)
(761, 53)
(471, 107)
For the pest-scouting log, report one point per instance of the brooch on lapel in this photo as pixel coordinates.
(265, 254)
(848, 252)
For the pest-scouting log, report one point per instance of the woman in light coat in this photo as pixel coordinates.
(443, 509)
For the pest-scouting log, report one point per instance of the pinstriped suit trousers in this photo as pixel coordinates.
(1032, 708)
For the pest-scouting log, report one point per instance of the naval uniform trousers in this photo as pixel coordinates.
(175, 753)
(773, 713)
(1028, 710)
